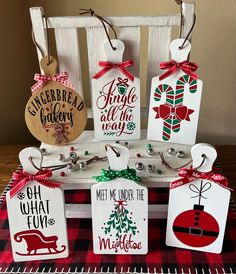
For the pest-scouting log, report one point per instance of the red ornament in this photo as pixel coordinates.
(62, 174)
(196, 227)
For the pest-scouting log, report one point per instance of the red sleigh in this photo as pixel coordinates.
(35, 240)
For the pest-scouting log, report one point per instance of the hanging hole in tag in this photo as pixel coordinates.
(179, 55)
(49, 69)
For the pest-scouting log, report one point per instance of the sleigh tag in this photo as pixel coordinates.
(198, 207)
(36, 213)
(175, 99)
(116, 97)
(119, 209)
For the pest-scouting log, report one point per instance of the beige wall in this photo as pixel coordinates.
(214, 49)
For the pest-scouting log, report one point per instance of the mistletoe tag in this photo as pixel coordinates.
(175, 99)
(119, 209)
(36, 213)
(196, 219)
(116, 97)
(55, 114)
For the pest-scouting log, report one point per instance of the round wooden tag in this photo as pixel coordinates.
(55, 114)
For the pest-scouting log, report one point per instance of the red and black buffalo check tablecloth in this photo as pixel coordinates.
(160, 258)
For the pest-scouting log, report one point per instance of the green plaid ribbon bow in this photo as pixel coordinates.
(108, 175)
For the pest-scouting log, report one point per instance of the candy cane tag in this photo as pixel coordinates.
(175, 99)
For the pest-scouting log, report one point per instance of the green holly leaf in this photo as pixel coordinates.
(109, 222)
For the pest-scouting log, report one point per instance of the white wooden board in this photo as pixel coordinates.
(196, 219)
(116, 101)
(175, 103)
(119, 214)
(36, 217)
(119, 210)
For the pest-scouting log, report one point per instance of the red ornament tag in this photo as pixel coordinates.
(196, 220)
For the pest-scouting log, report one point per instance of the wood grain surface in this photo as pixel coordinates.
(9, 162)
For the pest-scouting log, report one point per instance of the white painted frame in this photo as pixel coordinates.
(65, 29)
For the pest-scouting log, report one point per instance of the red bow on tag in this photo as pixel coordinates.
(61, 77)
(122, 82)
(172, 67)
(121, 204)
(107, 66)
(181, 112)
(189, 175)
(22, 178)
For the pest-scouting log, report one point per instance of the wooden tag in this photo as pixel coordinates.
(179, 90)
(36, 217)
(196, 219)
(55, 114)
(119, 213)
(116, 101)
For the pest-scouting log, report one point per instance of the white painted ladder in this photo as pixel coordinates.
(129, 29)
(68, 48)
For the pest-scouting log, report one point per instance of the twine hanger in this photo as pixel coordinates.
(168, 166)
(48, 42)
(180, 3)
(103, 21)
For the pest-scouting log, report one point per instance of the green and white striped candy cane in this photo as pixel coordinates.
(179, 94)
(174, 99)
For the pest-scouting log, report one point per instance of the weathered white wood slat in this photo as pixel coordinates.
(84, 211)
(158, 51)
(69, 56)
(87, 183)
(96, 38)
(124, 21)
(37, 20)
(188, 18)
(131, 38)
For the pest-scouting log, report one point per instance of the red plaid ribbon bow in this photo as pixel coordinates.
(172, 66)
(22, 178)
(61, 77)
(107, 66)
(181, 112)
(189, 175)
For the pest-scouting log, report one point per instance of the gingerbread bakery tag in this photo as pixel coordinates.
(198, 205)
(175, 99)
(119, 208)
(36, 213)
(55, 114)
(116, 97)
